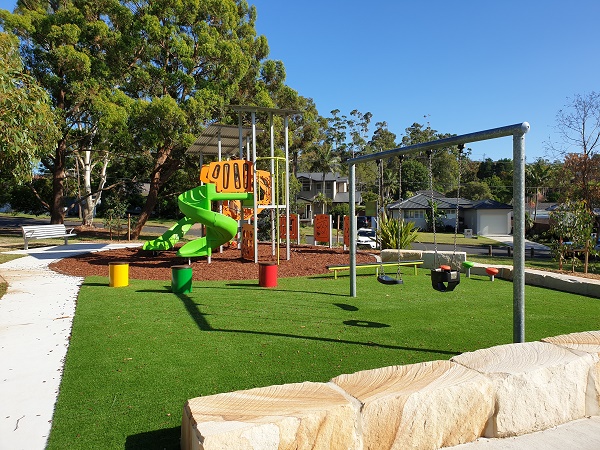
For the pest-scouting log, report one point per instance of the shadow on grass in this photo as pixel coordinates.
(256, 287)
(203, 324)
(343, 341)
(167, 438)
(200, 318)
(365, 324)
(192, 308)
(346, 307)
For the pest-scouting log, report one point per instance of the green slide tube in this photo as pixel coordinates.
(195, 204)
(170, 237)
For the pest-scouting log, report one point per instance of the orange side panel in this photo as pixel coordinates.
(322, 228)
(347, 231)
(247, 241)
(293, 226)
(228, 176)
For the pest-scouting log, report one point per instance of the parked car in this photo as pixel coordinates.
(366, 237)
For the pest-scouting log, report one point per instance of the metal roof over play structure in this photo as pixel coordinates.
(259, 109)
(208, 142)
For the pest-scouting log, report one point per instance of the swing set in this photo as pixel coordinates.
(446, 278)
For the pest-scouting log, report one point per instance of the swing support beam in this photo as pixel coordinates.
(517, 131)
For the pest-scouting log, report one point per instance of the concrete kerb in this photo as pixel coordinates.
(36, 315)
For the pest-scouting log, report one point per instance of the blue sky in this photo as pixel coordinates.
(461, 66)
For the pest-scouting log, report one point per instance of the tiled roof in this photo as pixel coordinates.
(318, 176)
(421, 201)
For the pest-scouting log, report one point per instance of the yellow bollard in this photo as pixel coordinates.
(118, 274)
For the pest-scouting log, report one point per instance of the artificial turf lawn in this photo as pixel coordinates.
(137, 353)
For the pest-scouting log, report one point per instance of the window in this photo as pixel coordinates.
(305, 185)
(414, 214)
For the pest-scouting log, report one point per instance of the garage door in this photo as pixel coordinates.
(493, 223)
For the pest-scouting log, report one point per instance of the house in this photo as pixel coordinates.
(484, 217)
(336, 189)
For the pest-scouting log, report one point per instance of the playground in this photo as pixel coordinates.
(155, 347)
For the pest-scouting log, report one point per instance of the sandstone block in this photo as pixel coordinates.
(454, 260)
(587, 341)
(420, 406)
(391, 255)
(292, 416)
(538, 385)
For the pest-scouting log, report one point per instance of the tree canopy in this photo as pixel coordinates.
(27, 130)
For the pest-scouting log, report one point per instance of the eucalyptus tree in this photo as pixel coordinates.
(336, 132)
(383, 139)
(444, 162)
(358, 129)
(190, 60)
(72, 49)
(305, 131)
(578, 127)
(27, 127)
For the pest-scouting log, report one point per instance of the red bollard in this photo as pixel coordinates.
(267, 274)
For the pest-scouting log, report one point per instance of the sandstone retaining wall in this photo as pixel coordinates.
(501, 391)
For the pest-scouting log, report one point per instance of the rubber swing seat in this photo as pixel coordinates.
(386, 279)
(444, 279)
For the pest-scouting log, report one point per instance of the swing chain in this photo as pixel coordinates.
(400, 213)
(461, 147)
(435, 251)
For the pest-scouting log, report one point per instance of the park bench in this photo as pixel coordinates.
(376, 265)
(46, 232)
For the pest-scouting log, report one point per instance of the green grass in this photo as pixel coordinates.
(138, 353)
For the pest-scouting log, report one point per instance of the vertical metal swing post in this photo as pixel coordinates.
(351, 199)
(519, 236)
(517, 131)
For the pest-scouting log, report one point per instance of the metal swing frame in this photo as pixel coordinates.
(517, 131)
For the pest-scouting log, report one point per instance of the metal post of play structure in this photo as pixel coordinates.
(270, 111)
(517, 131)
(287, 189)
(254, 188)
(274, 199)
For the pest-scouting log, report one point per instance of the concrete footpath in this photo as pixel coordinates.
(36, 315)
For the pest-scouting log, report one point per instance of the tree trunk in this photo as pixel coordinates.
(88, 206)
(57, 213)
(164, 168)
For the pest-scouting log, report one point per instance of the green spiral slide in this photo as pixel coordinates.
(195, 204)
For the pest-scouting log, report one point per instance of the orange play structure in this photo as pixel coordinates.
(236, 176)
(230, 182)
